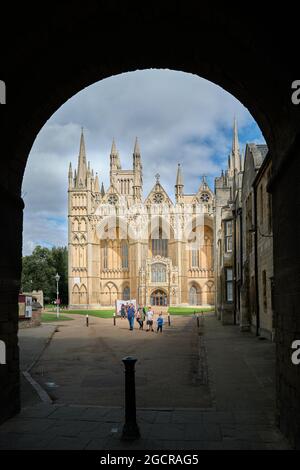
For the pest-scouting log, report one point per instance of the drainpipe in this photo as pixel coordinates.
(256, 263)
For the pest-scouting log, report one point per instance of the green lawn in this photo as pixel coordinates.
(188, 310)
(48, 317)
(93, 313)
(109, 313)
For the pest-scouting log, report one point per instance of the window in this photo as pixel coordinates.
(269, 207)
(126, 293)
(229, 284)
(195, 258)
(158, 272)
(124, 254)
(105, 256)
(261, 206)
(160, 247)
(228, 236)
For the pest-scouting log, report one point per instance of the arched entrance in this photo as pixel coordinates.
(159, 298)
(194, 295)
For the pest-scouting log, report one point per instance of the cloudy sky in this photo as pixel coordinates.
(178, 118)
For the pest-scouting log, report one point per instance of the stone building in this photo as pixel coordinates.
(257, 253)
(227, 202)
(244, 241)
(122, 246)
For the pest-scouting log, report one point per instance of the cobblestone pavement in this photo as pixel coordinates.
(240, 415)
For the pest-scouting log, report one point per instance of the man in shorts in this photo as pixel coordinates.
(149, 316)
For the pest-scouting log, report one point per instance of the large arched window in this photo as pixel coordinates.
(160, 245)
(158, 272)
(124, 254)
(126, 293)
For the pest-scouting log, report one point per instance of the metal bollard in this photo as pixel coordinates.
(87, 319)
(114, 317)
(198, 324)
(169, 319)
(130, 429)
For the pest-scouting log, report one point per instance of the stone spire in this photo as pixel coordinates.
(138, 173)
(114, 162)
(235, 156)
(70, 174)
(102, 190)
(179, 184)
(114, 156)
(136, 150)
(96, 186)
(82, 168)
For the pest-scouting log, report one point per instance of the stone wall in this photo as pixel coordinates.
(286, 229)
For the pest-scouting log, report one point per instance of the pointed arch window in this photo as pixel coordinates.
(105, 255)
(158, 272)
(126, 293)
(160, 245)
(124, 254)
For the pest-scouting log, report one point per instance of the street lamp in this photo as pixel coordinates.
(57, 278)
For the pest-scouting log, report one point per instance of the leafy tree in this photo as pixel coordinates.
(39, 271)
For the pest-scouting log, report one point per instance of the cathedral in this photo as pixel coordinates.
(122, 246)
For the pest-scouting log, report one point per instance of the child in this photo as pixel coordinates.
(160, 322)
(149, 316)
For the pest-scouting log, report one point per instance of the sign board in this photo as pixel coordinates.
(119, 304)
(28, 307)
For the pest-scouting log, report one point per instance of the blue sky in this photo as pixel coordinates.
(178, 118)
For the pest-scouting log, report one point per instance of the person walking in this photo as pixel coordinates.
(149, 316)
(160, 322)
(123, 311)
(130, 316)
(139, 318)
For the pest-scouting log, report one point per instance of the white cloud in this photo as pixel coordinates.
(178, 117)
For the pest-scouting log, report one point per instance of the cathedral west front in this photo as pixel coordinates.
(157, 250)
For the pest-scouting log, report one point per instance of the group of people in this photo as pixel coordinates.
(140, 315)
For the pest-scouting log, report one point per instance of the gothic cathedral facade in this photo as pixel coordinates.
(122, 246)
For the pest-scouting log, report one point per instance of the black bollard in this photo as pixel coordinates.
(198, 324)
(114, 319)
(130, 429)
(87, 320)
(169, 319)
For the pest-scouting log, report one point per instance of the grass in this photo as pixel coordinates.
(189, 310)
(49, 317)
(93, 313)
(109, 313)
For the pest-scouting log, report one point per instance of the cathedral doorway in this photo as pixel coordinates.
(194, 296)
(159, 298)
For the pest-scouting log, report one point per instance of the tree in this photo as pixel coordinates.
(39, 271)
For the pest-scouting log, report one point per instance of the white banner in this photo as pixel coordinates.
(119, 304)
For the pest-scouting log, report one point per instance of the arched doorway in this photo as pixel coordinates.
(194, 295)
(159, 298)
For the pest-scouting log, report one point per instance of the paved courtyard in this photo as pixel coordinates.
(211, 388)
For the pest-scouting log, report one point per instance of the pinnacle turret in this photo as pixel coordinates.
(82, 167)
(179, 183)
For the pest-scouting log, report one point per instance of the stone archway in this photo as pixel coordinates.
(257, 66)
